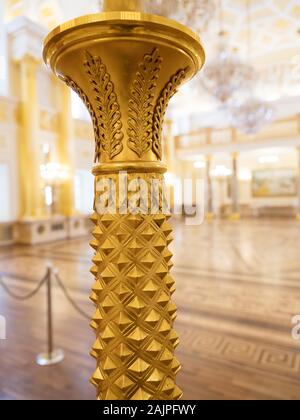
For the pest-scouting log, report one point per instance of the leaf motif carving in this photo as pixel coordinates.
(108, 115)
(161, 107)
(141, 107)
(69, 82)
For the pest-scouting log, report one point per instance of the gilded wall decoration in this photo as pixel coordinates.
(48, 121)
(8, 110)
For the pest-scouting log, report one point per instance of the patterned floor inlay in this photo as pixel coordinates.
(238, 289)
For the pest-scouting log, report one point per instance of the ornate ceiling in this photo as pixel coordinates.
(275, 25)
(275, 40)
(275, 22)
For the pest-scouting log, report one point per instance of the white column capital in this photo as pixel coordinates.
(26, 38)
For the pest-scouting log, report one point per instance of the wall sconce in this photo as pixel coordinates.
(221, 171)
(53, 175)
(169, 179)
(199, 165)
(245, 175)
(268, 159)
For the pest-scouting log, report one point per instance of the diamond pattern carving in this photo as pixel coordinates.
(134, 315)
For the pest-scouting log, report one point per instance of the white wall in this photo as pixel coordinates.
(84, 191)
(3, 53)
(5, 188)
(84, 180)
(9, 182)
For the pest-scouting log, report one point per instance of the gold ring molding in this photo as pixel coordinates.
(126, 67)
(130, 167)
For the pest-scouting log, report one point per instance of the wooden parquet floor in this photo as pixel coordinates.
(238, 287)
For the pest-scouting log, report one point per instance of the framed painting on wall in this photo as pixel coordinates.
(268, 183)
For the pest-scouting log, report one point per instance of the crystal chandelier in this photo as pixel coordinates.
(225, 74)
(193, 13)
(168, 8)
(251, 114)
(198, 13)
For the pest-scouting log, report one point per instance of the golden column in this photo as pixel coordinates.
(30, 181)
(235, 211)
(126, 66)
(66, 150)
(209, 189)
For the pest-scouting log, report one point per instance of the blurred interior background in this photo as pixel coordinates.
(236, 126)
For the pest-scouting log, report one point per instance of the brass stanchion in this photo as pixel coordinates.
(52, 357)
(126, 66)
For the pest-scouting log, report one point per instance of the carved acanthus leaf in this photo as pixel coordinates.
(161, 107)
(141, 107)
(69, 82)
(108, 115)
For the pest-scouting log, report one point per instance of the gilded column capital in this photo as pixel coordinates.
(31, 61)
(127, 107)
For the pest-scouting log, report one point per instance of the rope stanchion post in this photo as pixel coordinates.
(52, 357)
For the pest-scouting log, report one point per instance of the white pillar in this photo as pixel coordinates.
(235, 211)
(3, 53)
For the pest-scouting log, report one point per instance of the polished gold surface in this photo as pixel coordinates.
(130, 5)
(126, 66)
(134, 313)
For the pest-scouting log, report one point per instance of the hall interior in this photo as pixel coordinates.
(235, 128)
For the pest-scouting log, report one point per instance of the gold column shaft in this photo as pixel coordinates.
(66, 151)
(209, 189)
(134, 313)
(29, 160)
(235, 211)
(125, 5)
(126, 80)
